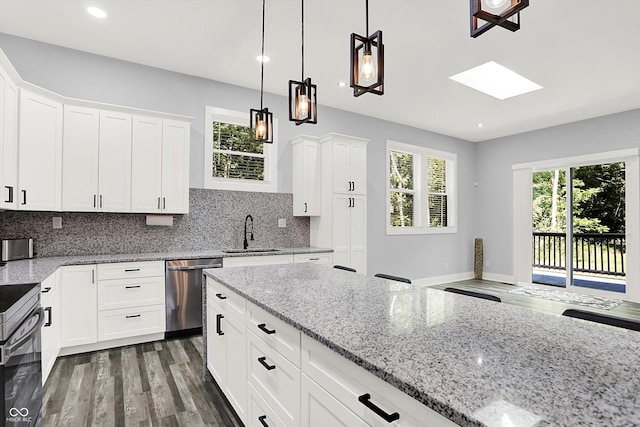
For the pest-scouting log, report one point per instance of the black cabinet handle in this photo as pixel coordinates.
(353, 202)
(158, 203)
(349, 202)
(262, 419)
(24, 197)
(305, 207)
(94, 200)
(263, 328)
(132, 316)
(263, 362)
(131, 270)
(164, 203)
(10, 198)
(132, 287)
(218, 318)
(48, 311)
(101, 200)
(314, 259)
(365, 399)
(221, 296)
(45, 290)
(353, 186)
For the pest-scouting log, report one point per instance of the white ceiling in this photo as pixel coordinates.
(585, 53)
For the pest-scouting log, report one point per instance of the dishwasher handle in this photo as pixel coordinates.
(193, 267)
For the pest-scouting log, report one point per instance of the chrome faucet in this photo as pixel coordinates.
(246, 242)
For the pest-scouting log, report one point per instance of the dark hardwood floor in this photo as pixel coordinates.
(626, 309)
(152, 384)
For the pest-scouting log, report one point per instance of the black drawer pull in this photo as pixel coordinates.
(10, 198)
(314, 259)
(24, 197)
(221, 296)
(262, 419)
(365, 399)
(132, 316)
(45, 290)
(263, 328)
(49, 318)
(129, 270)
(263, 362)
(132, 286)
(218, 318)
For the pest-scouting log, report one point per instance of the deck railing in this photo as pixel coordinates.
(597, 253)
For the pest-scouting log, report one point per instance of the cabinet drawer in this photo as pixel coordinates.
(245, 261)
(227, 299)
(123, 293)
(275, 378)
(261, 413)
(322, 259)
(282, 337)
(127, 270)
(130, 322)
(346, 382)
(319, 408)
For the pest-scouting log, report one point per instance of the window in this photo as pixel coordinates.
(233, 161)
(421, 190)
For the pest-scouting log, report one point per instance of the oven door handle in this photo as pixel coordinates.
(34, 330)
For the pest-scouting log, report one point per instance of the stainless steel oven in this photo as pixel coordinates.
(21, 319)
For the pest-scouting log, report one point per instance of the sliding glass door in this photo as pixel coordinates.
(579, 227)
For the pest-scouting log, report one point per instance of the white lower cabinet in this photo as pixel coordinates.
(319, 258)
(227, 352)
(320, 409)
(245, 261)
(79, 305)
(130, 322)
(50, 337)
(260, 414)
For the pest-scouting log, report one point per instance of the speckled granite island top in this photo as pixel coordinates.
(37, 269)
(476, 362)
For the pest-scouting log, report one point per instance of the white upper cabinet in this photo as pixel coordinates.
(307, 178)
(349, 164)
(8, 142)
(96, 160)
(160, 165)
(114, 172)
(80, 159)
(39, 152)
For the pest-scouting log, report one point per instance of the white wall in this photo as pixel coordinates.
(81, 75)
(494, 200)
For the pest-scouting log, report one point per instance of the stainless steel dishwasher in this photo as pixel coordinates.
(183, 293)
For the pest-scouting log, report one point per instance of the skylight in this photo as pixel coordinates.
(496, 80)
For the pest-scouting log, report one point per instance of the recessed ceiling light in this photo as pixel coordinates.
(264, 58)
(495, 80)
(480, 125)
(97, 12)
(342, 84)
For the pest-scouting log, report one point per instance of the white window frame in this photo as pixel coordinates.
(270, 182)
(421, 195)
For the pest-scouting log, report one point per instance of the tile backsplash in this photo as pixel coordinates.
(215, 220)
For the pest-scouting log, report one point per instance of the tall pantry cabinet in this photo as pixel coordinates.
(342, 223)
(8, 137)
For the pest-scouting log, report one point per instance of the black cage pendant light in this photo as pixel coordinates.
(367, 61)
(503, 13)
(303, 107)
(261, 121)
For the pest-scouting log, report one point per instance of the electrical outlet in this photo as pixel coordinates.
(282, 222)
(487, 263)
(57, 222)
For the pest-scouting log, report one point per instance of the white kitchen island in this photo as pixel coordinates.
(471, 361)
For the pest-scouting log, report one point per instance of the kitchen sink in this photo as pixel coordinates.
(249, 251)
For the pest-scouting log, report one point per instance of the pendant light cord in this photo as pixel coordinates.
(302, 78)
(262, 62)
(366, 34)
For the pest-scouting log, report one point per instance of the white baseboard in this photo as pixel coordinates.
(497, 278)
(103, 345)
(438, 280)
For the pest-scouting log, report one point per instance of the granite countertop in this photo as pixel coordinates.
(37, 269)
(477, 362)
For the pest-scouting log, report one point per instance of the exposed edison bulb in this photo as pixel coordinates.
(494, 4)
(366, 68)
(303, 104)
(261, 130)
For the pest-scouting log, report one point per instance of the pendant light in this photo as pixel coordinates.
(303, 106)
(367, 61)
(503, 13)
(261, 121)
